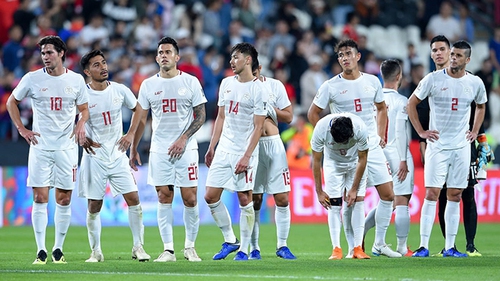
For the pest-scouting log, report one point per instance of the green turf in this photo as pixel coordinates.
(310, 243)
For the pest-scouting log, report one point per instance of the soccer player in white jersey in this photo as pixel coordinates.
(57, 95)
(447, 158)
(273, 176)
(108, 162)
(343, 139)
(359, 93)
(237, 130)
(397, 150)
(177, 105)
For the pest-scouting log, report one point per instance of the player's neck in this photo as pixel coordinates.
(351, 74)
(59, 70)
(455, 72)
(441, 67)
(169, 73)
(391, 85)
(98, 86)
(245, 76)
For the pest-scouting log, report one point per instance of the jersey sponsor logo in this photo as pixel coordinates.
(343, 92)
(92, 106)
(182, 91)
(43, 89)
(158, 92)
(444, 89)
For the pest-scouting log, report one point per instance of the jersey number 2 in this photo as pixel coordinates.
(454, 104)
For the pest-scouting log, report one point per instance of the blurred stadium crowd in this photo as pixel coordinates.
(295, 40)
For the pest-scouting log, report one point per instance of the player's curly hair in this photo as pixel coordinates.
(341, 129)
(57, 42)
(169, 40)
(346, 43)
(84, 61)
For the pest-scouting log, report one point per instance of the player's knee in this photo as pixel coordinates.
(281, 200)
(337, 201)
(190, 202)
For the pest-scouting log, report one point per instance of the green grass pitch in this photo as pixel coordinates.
(310, 243)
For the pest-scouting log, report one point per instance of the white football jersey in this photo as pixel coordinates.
(449, 103)
(54, 101)
(356, 96)
(396, 112)
(339, 154)
(105, 123)
(241, 102)
(171, 101)
(277, 96)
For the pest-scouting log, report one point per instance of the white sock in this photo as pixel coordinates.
(358, 222)
(39, 220)
(348, 231)
(165, 222)
(282, 217)
(223, 220)
(94, 230)
(254, 240)
(247, 220)
(191, 225)
(334, 225)
(452, 220)
(382, 220)
(369, 220)
(136, 224)
(402, 225)
(62, 220)
(427, 217)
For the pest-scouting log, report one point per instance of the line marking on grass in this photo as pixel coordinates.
(253, 276)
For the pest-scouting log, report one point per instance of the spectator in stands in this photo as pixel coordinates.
(466, 23)
(120, 11)
(13, 51)
(212, 22)
(349, 30)
(367, 11)
(145, 36)
(281, 37)
(494, 46)
(23, 16)
(94, 31)
(486, 74)
(212, 66)
(311, 80)
(44, 26)
(298, 143)
(444, 24)
(320, 15)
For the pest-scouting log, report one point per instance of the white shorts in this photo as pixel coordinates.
(182, 172)
(339, 179)
(405, 187)
(95, 173)
(378, 168)
(52, 168)
(272, 175)
(450, 166)
(221, 172)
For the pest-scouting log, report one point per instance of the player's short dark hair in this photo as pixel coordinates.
(440, 38)
(341, 129)
(169, 40)
(249, 50)
(84, 61)
(57, 42)
(390, 68)
(461, 44)
(346, 43)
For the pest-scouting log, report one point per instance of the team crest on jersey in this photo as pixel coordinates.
(68, 90)
(368, 89)
(117, 101)
(467, 91)
(182, 91)
(246, 96)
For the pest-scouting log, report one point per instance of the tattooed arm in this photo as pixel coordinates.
(177, 148)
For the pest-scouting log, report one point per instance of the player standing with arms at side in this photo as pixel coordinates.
(359, 93)
(273, 175)
(108, 162)
(57, 95)
(343, 138)
(177, 104)
(397, 150)
(451, 92)
(237, 130)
